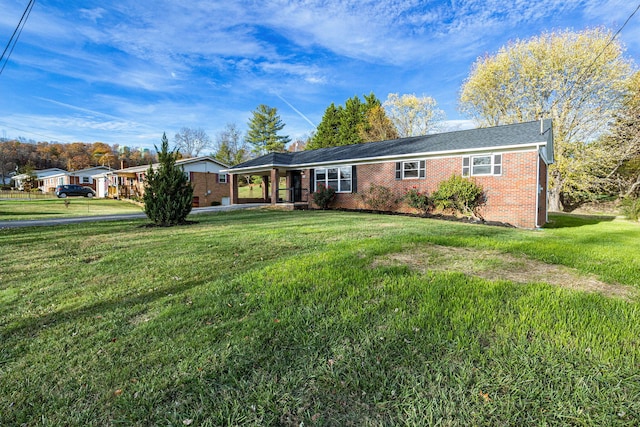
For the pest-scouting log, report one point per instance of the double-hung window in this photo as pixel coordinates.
(412, 169)
(222, 178)
(338, 178)
(484, 165)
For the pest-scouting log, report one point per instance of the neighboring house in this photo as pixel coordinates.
(82, 177)
(509, 162)
(40, 175)
(210, 184)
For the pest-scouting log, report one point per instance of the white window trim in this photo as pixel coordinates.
(222, 178)
(422, 169)
(467, 170)
(325, 181)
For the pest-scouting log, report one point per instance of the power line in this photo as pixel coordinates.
(592, 63)
(13, 40)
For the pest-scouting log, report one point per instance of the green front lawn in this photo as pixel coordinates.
(56, 208)
(320, 318)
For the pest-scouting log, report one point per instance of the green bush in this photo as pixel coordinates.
(323, 196)
(459, 195)
(168, 195)
(630, 207)
(379, 198)
(418, 200)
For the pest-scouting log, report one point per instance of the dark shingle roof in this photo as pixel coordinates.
(459, 141)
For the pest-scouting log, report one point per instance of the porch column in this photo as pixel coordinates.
(289, 195)
(265, 188)
(233, 189)
(274, 186)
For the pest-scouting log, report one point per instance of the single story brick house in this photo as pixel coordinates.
(210, 184)
(510, 163)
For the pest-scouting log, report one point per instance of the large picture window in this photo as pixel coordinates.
(412, 169)
(488, 164)
(338, 178)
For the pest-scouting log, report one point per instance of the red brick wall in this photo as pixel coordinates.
(207, 188)
(511, 197)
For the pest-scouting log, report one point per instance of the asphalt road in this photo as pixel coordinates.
(116, 217)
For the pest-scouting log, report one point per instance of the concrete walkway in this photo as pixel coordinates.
(118, 217)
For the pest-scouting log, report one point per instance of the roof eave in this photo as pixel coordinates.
(378, 159)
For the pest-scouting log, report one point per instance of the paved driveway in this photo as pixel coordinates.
(117, 217)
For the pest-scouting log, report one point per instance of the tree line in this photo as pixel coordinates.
(20, 156)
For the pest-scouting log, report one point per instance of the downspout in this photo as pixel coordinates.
(538, 189)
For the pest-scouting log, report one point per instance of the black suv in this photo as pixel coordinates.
(63, 191)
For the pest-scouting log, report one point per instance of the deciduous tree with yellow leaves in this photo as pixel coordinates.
(578, 79)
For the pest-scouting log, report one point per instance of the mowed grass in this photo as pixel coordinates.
(290, 318)
(11, 210)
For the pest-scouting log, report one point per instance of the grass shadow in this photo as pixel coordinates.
(568, 220)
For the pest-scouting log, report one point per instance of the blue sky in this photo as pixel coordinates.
(122, 72)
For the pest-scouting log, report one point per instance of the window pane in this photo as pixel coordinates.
(411, 173)
(484, 160)
(497, 159)
(345, 173)
(345, 185)
(333, 183)
(410, 166)
(332, 173)
(482, 170)
(481, 165)
(321, 174)
(497, 170)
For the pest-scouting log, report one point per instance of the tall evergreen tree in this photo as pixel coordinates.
(352, 117)
(168, 195)
(327, 132)
(263, 131)
(354, 123)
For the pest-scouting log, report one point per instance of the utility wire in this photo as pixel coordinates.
(11, 44)
(592, 63)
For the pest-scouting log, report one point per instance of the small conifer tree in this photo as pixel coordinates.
(168, 194)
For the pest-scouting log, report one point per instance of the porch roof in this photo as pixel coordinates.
(515, 136)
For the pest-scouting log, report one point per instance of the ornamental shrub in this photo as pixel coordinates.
(379, 198)
(323, 196)
(460, 195)
(168, 195)
(418, 200)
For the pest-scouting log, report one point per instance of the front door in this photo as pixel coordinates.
(296, 182)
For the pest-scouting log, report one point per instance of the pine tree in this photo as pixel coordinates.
(327, 132)
(168, 195)
(352, 116)
(263, 131)
(354, 123)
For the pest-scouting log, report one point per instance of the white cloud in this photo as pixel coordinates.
(163, 64)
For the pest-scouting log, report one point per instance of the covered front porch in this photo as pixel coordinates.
(278, 185)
